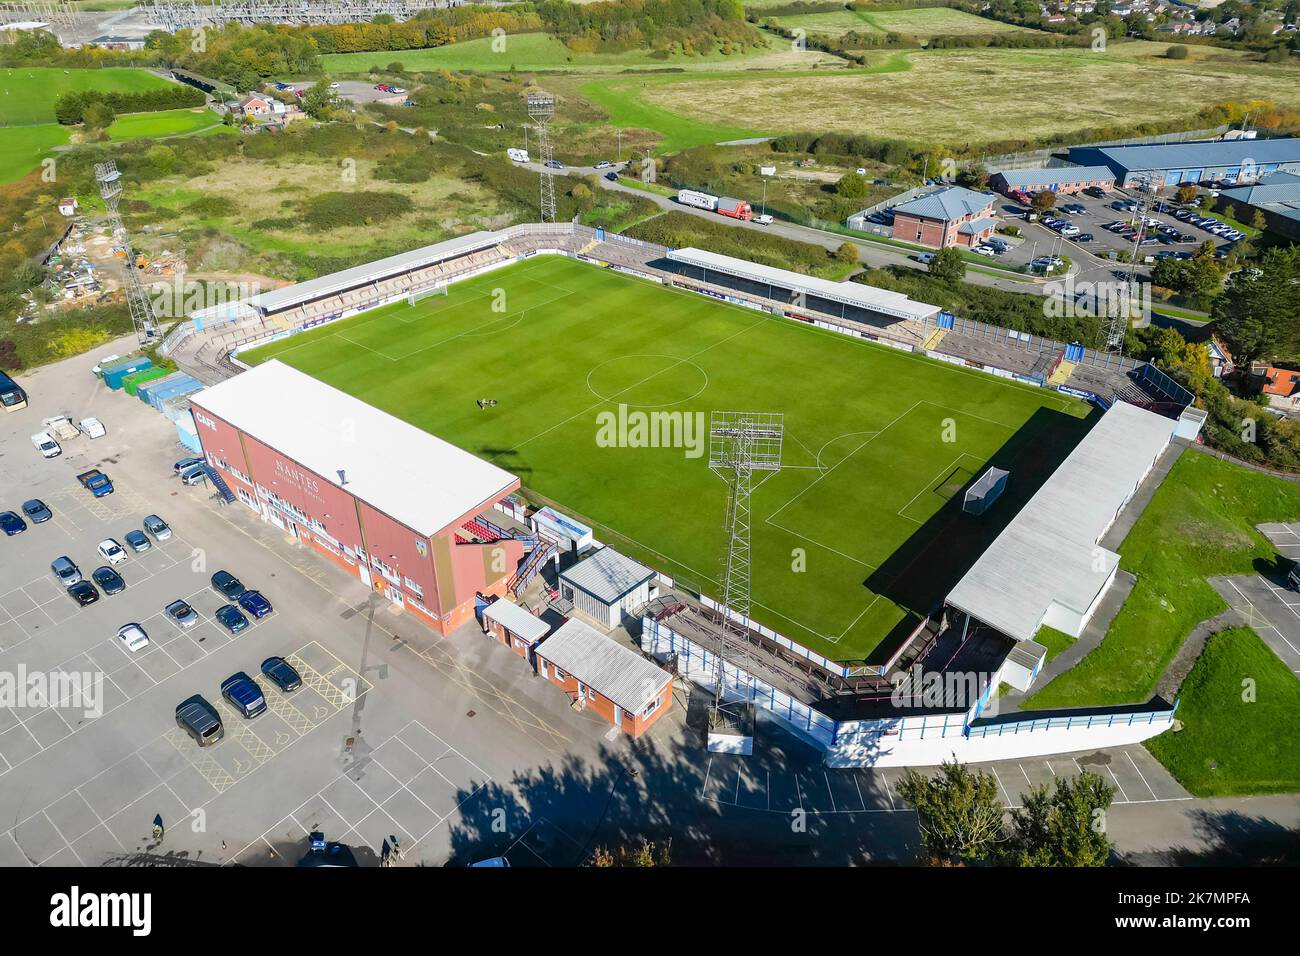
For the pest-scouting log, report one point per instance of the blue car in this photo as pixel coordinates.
(11, 524)
(255, 604)
(243, 694)
(37, 511)
(281, 673)
(231, 619)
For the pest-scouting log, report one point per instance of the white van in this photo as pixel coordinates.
(925, 258)
(518, 155)
(46, 445)
(92, 427)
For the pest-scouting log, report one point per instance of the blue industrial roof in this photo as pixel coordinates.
(1275, 187)
(1055, 174)
(951, 203)
(1230, 152)
(976, 225)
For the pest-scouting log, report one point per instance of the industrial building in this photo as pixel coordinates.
(1062, 180)
(1048, 567)
(1171, 164)
(380, 498)
(1277, 196)
(949, 217)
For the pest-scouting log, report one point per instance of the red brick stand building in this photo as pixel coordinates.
(379, 497)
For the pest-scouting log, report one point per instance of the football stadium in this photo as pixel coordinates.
(523, 365)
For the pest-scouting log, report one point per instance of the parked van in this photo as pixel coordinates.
(92, 428)
(925, 258)
(518, 155)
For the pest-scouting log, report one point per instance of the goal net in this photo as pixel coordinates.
(418, 294)
(986, 490)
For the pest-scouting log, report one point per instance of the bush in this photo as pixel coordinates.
(336, 210)
(1177, 52)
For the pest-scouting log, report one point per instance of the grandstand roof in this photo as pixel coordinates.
(1039, 178)
(850, 293)
(410, 475)
(1049, 554)
(950, 203)
(336, 282)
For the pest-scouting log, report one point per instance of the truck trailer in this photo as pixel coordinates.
(689, 197)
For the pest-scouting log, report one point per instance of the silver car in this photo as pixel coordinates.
(182, 614)
(65, 572)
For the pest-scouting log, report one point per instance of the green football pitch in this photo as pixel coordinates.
(858, 532)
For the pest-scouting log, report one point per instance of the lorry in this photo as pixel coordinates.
(734, 208)
(96, 482)
(61, 426)
(518, 155)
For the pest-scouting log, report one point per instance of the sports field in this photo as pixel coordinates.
(852, 534)
(30, 91)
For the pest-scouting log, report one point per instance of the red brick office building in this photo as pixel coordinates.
(952, 216)
(379, 497)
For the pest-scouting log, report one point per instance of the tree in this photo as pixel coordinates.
(319, 100)
(851, 186)
(98, 115)
(847, 252)
(1186, 193)
(646, 855)
(1043, 200)
(1259, 315)
(1062, 827)
(1259, 221)
(960, 814)
(948, 265)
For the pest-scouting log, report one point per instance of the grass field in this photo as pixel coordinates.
(869, 478)
(165, 123)
(540, 51)
(1200, 523)
(922, 23)
(1233, 743)
(30, 92)
(918, 94)
(23, 147)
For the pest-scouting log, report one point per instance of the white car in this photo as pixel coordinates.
(334, 86)
(396, 89)
(763, 220)
(111, 551)
(46, 445)
(985, 251)
(133, 636)
(1069, 230)
(92, 427)
(99, 366)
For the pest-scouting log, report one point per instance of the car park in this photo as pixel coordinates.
(111, 551)
(133, 636)
(194, 475)
(11, 524)
(185, 464)
(231, 618)
(108, 580)
(157, 527)
(181, 614)
(37, 511)
(242, 693)
(255, 604)
(282, 674)
(84, 593)
(200, 720)
(46, 445)
(137, 541)
(227, 585)
(65, 571)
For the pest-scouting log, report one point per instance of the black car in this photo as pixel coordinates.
(612, 176)
(11, 524)
(227, 585)
(1084, 237)
(83, 592)
(37, 512)
(281, 673)
(200, 720)
(109, 580)
(231, 618)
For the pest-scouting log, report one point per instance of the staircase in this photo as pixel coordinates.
(934, 338)
(588, 247)
(546, 548)
(219, 483)
(1064, 370)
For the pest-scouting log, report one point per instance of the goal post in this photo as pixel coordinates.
(417, 295)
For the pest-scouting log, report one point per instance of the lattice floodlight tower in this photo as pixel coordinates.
(1121, 312)
(541, 107)
(740, 444)
(137, 300)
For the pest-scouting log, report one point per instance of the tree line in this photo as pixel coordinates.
(71, 108)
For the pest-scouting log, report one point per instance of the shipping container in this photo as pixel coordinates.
(689, 197)
(115, 376)
(185, 385)
(146, 388)
(188, 435)
(132, 383)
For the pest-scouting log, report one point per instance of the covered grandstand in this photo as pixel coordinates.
(1048, 567)
(850, 301)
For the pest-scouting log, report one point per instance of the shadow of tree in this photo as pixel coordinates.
(1229, 838)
